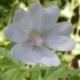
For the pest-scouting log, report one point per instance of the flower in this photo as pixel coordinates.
(35, 30)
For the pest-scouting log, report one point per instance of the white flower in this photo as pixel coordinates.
(35, 28)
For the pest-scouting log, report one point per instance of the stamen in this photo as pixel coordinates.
(35, 38)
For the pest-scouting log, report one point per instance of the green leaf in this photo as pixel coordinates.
(4, 52)
(8, 63)
(21, 74)
(36, 74)
(8, 75)
(75, 77)
(17, 73)
(61, 72)
(6, 60)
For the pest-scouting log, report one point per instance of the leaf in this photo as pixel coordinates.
(61, 72)
(6, 60)
(0, 76)
(75, 77)
(15, 73)
(8, 63)
(21, 74)
(55, 75)
(8, 75)
(50, 70)
(36, 74)
(4, 52)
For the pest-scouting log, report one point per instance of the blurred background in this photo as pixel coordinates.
(69, 11)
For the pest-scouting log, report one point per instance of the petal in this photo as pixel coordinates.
(53, 12)
(23, 54)
(47, 57)
(62, 43)
(43, 19)
(32, 56)
(22, 17)
(36, 11)
(53, 61)
(62, 28)
(15, 34)
(49, 17)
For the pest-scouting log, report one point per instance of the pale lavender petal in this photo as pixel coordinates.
(49, 18)
(53, 12)
(43, 19)
(53, 61)
(36, 11)
(15, 34)
(23, 54)
(22, 18)
(62, 28)
(62, 43)
(32, 56)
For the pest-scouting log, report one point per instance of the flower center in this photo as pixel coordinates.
(35, 39)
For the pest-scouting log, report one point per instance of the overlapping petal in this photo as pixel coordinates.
(15, 34)
(49, 18)
(54, 12)
(62, 28)
(33, 56)
(36, 12)
(43, 20)
(62, 43)
(23, 19)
